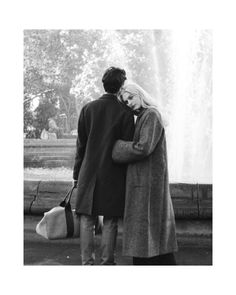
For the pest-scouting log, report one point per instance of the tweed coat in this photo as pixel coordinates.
(101, 182)
(149, 222)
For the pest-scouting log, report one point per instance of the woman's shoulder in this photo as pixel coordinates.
(153, 113)
(153, 110)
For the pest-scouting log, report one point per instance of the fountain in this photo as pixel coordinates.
(190, 121)
(185, 101)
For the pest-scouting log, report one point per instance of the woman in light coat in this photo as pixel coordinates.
(149, 224)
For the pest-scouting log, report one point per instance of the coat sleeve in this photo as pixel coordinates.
(131, 151)
(80, 145)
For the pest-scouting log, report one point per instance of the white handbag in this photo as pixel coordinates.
(60, 222)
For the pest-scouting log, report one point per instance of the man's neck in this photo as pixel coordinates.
(111, 93)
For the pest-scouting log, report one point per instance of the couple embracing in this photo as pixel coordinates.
(121, 171)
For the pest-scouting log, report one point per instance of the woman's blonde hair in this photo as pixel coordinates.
(134, 89)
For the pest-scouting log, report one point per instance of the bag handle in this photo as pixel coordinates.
(68, 213)
(66, 202)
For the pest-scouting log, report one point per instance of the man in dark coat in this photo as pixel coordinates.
(101, 182)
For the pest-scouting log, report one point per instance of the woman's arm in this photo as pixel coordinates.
(130, 151)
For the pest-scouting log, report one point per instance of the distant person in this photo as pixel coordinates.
(53, 130)
(44, 134)
(101, 182)
(52, 125)
(149, 223)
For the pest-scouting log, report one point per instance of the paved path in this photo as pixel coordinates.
(194, 239)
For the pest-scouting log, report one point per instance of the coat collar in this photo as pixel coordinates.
(139, 115)
(108, 96)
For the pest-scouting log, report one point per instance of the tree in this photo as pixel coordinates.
(47, 68)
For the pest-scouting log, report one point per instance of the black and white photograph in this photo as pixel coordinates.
(118, 127)
(117, 147)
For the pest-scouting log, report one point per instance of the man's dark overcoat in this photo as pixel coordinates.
(101, 182)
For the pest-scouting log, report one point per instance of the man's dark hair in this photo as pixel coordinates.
(113, 79)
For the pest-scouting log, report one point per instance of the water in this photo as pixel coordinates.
(189, 131)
